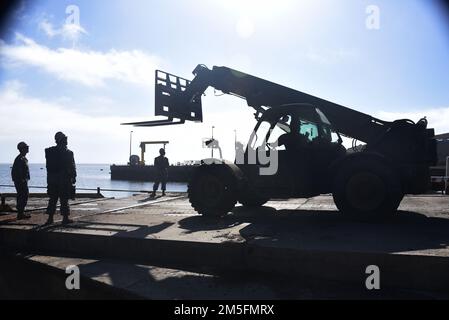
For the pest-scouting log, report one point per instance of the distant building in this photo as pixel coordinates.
(442, 148)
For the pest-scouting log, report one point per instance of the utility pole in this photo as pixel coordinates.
(235, 139)
(130, 144)
(212, 149)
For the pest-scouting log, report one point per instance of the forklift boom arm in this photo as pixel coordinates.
(178, 98)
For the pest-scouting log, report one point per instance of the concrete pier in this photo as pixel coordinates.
(304, 242)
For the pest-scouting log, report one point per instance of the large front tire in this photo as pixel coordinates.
(212, 191)
(367, 190)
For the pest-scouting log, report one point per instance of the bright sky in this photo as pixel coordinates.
(87, 78)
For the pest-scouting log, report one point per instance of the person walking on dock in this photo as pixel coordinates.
(161, 165)
(20, 174)
(61, 176)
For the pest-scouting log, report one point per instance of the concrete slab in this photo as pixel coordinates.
(126, 280)
(303, 237)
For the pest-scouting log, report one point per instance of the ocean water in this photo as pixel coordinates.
(89, 176)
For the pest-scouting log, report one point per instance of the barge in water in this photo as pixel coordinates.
(181, 173)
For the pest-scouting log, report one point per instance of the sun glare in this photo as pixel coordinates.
(249, 14)
(255, 8)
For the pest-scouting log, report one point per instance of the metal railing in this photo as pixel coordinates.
(98, 189)
(441, 183)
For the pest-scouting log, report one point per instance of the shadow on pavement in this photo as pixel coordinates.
(327, 230)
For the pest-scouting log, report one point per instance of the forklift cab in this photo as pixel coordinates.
(297, 144)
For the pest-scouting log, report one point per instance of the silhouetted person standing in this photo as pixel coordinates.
(61, 176)
(161, 165)
(20, 174)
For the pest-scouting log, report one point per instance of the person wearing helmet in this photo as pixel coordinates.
(61, 177)
(161, 165)
(20, 174)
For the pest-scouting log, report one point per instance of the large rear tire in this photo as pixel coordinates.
(366, 189)
(212, 191)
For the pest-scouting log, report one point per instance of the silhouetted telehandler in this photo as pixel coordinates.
(300, 135)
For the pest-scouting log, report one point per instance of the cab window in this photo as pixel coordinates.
(308, 129)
